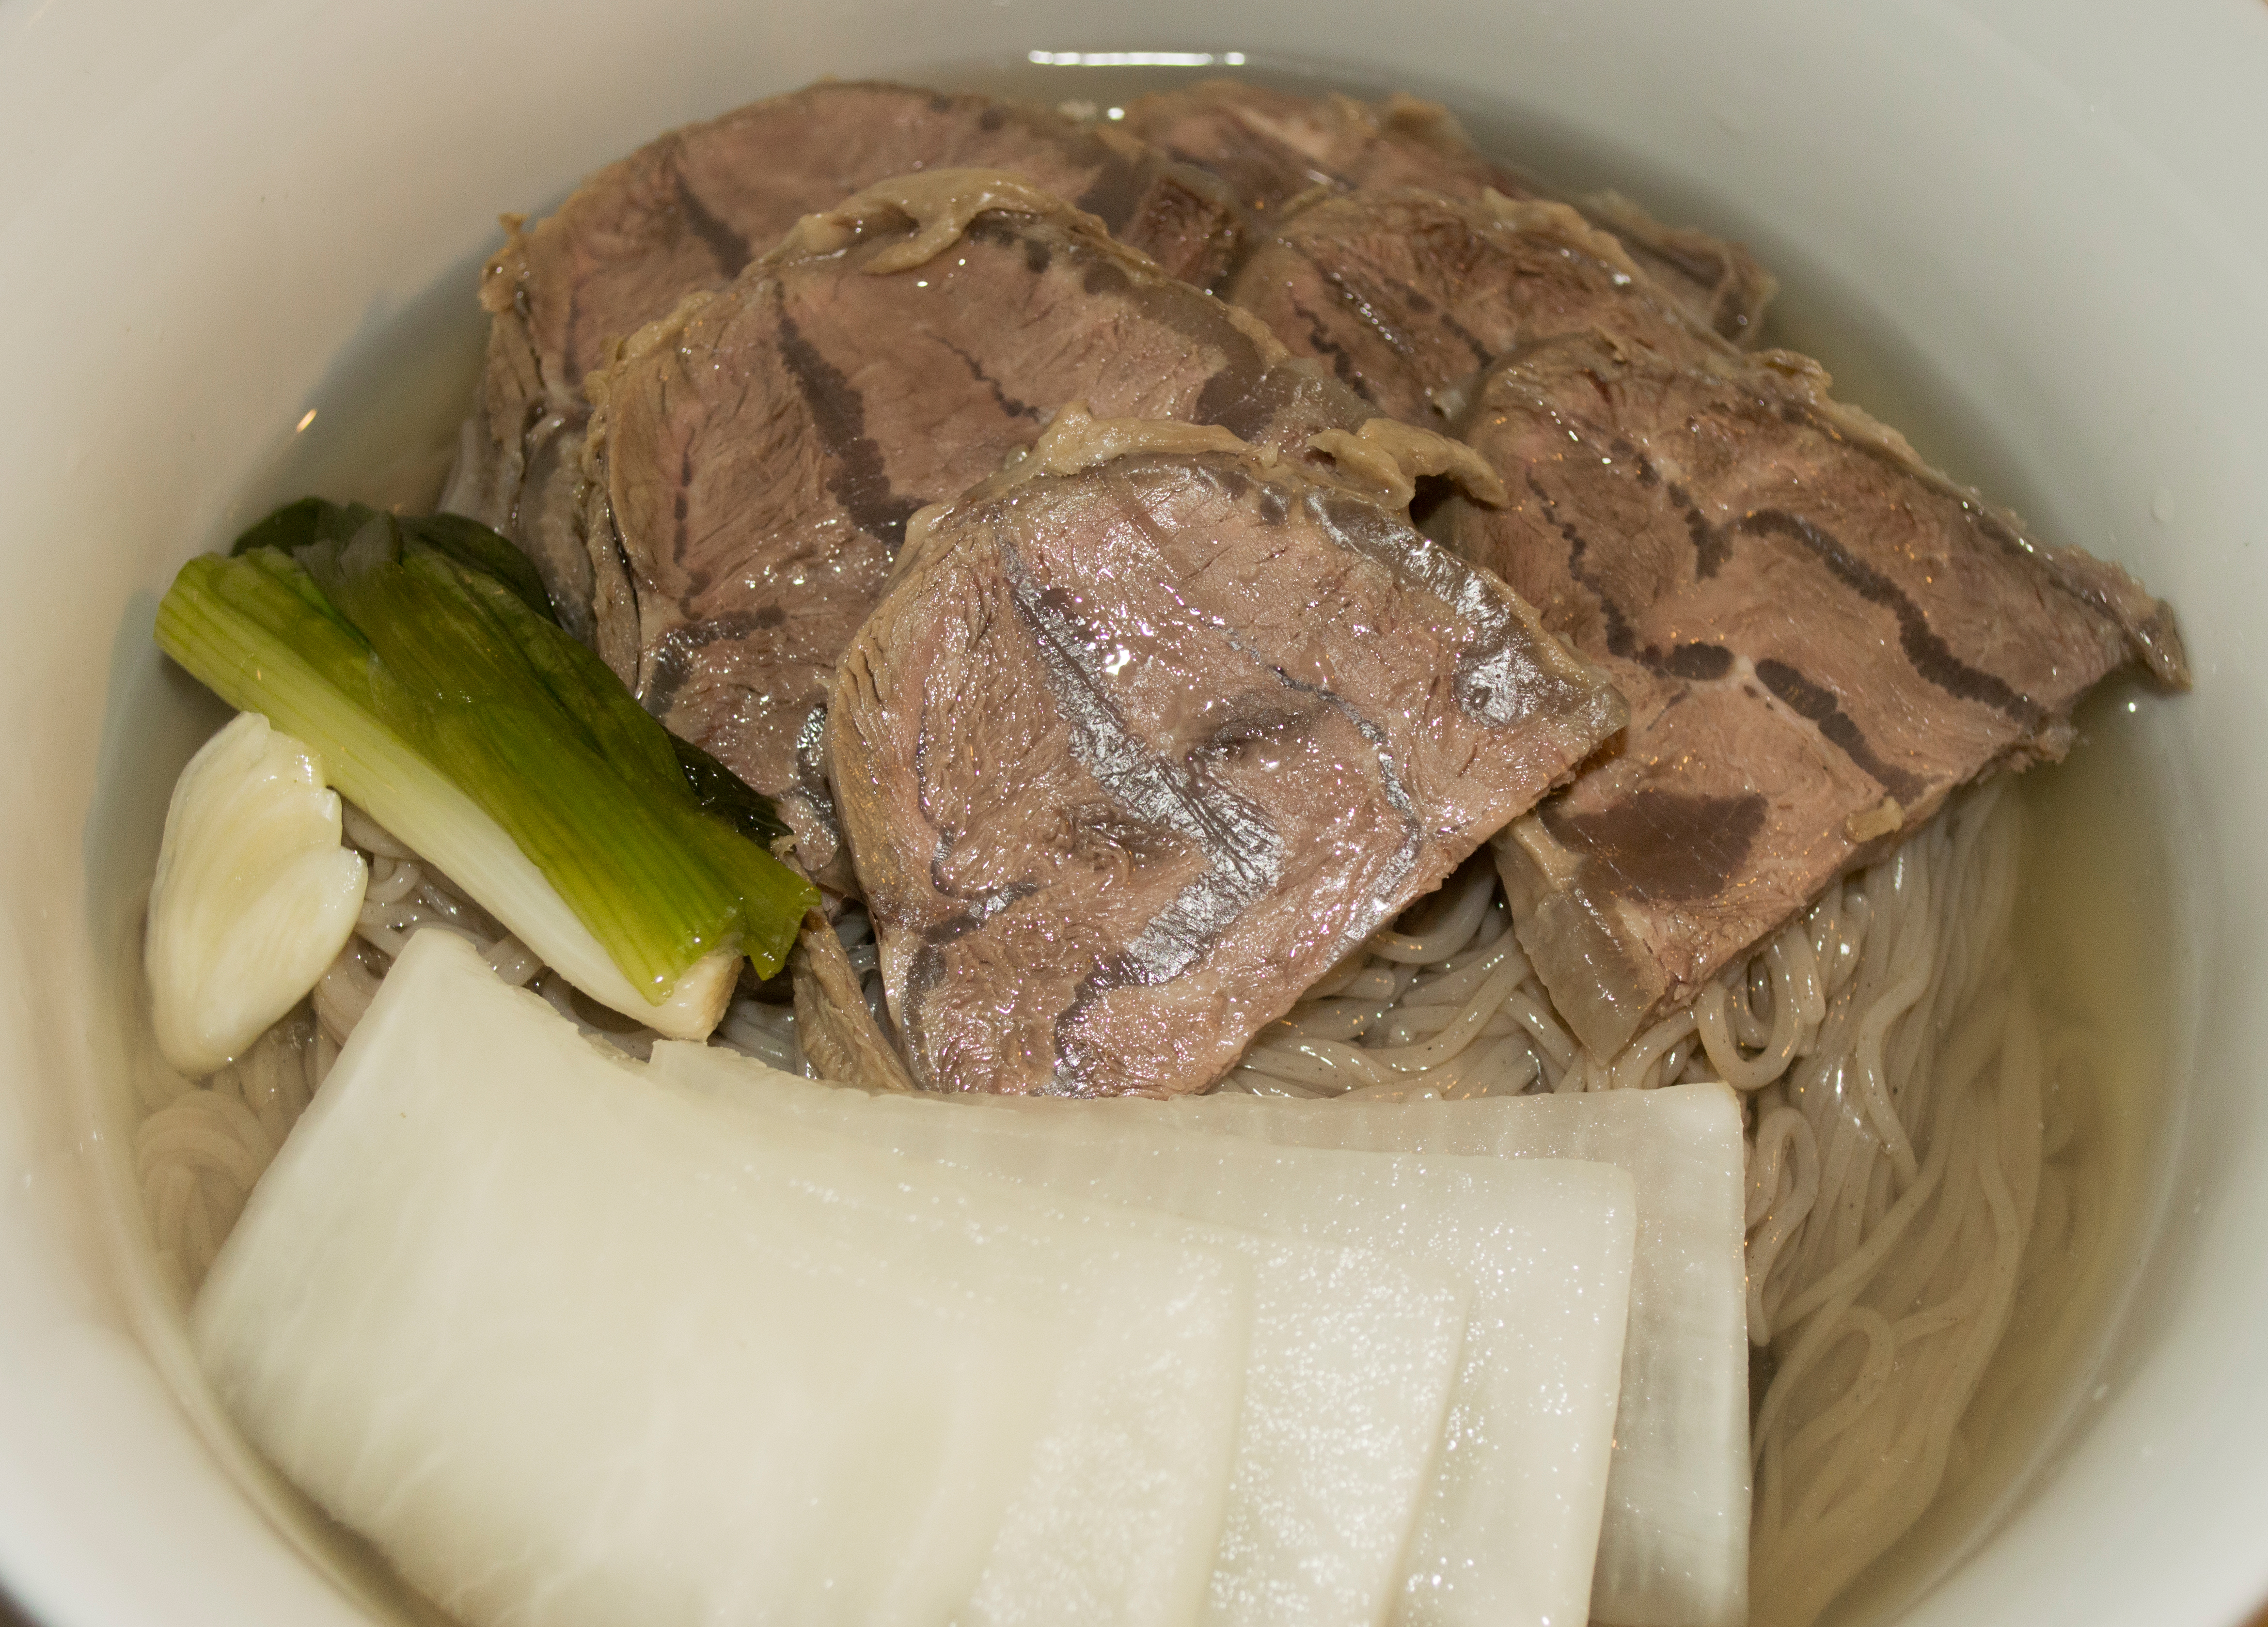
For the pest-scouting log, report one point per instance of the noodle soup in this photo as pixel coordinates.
(1924, 1029)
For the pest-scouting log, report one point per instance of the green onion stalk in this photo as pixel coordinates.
(420, 660)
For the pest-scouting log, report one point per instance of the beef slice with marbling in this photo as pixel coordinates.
(755, 460)
(1409, 296)
(1271, 147)
(1820, 639)
(1741, 789)
(1158, 729)
(691, 208)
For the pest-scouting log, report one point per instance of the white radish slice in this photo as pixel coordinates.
(1674, 1550)
(1352, 1351)
(1507, 1529)
(571, 1357)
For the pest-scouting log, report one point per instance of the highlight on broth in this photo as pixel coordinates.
(1048, 485)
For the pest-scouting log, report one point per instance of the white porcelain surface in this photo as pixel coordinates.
(2053, 211)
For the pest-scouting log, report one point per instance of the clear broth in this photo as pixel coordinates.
(2095, 921)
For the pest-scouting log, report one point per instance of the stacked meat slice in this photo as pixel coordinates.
(756, 458)
(689, 211)
(1271, 147)
(1407, 295)
(1133, 739)
(1158, 731)
(1819, 637)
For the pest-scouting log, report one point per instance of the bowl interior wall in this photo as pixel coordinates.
(215, 220)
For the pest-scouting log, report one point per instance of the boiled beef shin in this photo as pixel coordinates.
(689, 210)
(1272, 146)
(1407, 295)
(1149, 739)
(1820, 639)
(1783, 727)
(755, 460)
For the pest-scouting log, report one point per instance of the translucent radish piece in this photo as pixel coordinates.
(1353, 1351)
(571, 1357)
(1674, 1551)
(1507, 1528)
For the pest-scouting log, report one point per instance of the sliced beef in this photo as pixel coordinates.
(1271, 146)
(1149, 739)
(1407, 295)
(840, 1038)
(755, 462)
(1819, 638)
(1669, 499)
(689, 211)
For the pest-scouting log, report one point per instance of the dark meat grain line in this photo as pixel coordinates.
(1242, 851)
(1931, 657)
(839, 412)
(1817, 704)
(1276, 150)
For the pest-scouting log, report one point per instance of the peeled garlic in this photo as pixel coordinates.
(255, 894)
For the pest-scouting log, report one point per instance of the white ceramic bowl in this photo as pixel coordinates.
(2043, 224)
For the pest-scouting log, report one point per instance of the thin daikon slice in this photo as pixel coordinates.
(1353, 1351)
(1349, 1370)
(1674, 1551)
(1507, 1529)
(570, 1356)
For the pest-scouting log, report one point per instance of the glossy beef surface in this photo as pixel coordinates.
(1819, 637)
(755, 462)
(1272, 146)
(1139, 750)
(692, 208)
(1408, 296)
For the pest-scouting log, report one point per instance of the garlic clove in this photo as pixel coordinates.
(255, 894)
